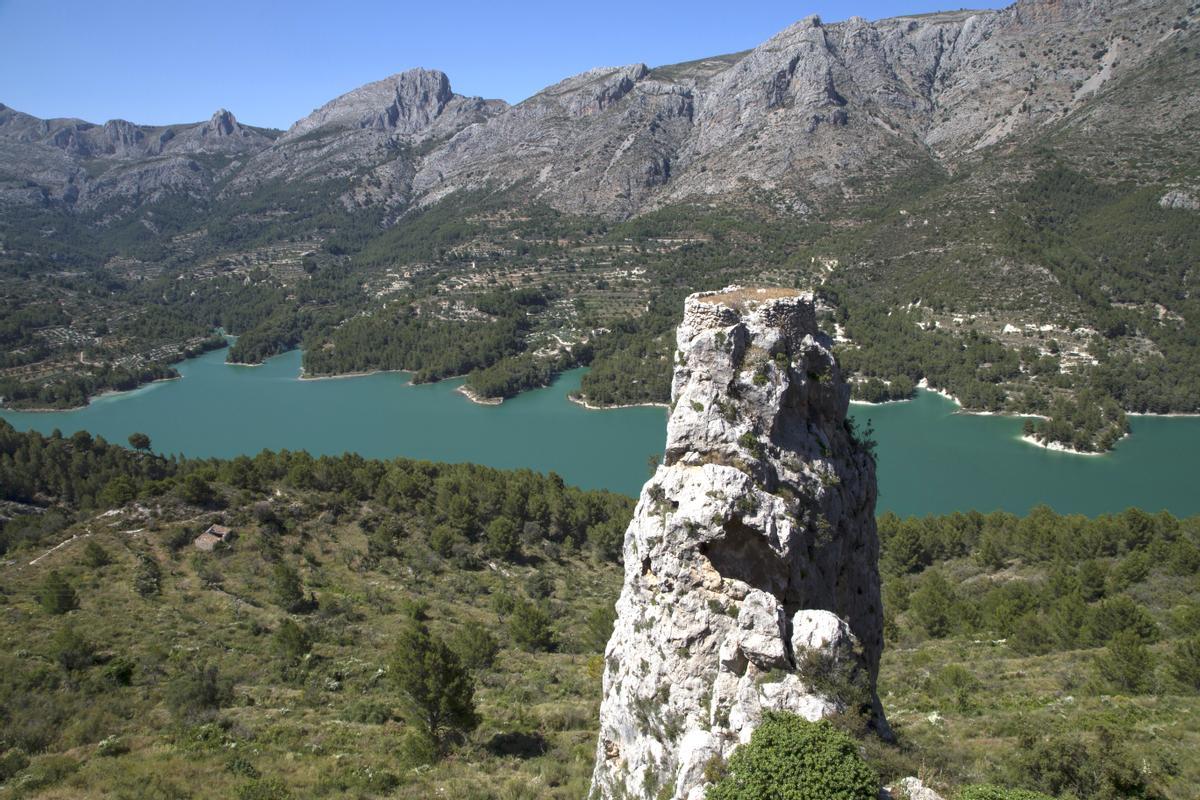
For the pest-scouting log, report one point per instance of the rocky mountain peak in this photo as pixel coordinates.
(751, 559)
(407, 102)
(222, 123)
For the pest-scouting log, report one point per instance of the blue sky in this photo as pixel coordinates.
(273, 62)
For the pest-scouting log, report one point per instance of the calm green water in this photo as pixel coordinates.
(931, 460)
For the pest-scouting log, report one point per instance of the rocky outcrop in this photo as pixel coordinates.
(913, 789)
(84, 166)
(751, 575)
(366, 138)
(1179, 200)
(414, 102)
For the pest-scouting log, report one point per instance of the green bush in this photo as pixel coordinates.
(287, 591)
(1070, 764)
(12, 761)
(530, 626)
(933, 605)
(1184, 663)
(292, 642)
(57, 596)
(367, 711)
(71, 650)
(95, 556)
(598, 627)
(989, 792)
(474, 646)
(198, 691)
(789, 758)
(147, 580)
(502, 539)
(1127, 664)
(263, 789)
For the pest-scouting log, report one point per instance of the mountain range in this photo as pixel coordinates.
(797, 117)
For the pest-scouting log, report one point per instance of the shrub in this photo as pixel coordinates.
(71, 650)
(119, 671)
(1127, 663)
(530, 626)
(117, 492)
(1066, 764)
(263, 789)
(95, 556)
(933, 605)
(370, 712)
(111, 747)
(989, 792)
(179, 538)
(956, 683)
(539, 585)
(12, 761)
(197, 691)
(789, 758)
(292, 643)
(147, 580)
(475, 647)
(598, 627)
(1184, 663)
(840, 679)
(1119, 614)
(196, 490)
(1031, 635)
(502, 538)
(56, 595)
(288, 592)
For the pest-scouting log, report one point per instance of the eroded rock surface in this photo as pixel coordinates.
(751, 563)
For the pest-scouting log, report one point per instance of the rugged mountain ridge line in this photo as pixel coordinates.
(798, 115)
(751, 562)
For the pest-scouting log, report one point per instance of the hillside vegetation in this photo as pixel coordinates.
(1050, 652)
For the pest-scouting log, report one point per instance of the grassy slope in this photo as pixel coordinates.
(296, 730)
(298, 737)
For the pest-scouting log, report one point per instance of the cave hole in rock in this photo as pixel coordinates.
(743, 554)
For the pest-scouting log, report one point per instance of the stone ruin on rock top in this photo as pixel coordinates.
(751, 562)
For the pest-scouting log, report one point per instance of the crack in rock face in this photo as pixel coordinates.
(751, 562)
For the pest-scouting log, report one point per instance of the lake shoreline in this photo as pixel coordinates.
(579, 401)
(341, 375)
(930, 459)
(879, 403)
(476, 398)
(91, 398)
(1059, 447)
(1168, 415)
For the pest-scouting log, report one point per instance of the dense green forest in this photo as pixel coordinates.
(75, 391)
(1053, 653)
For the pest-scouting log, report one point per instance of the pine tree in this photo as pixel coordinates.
(1127, 663)
(437, 687)
(57, 596)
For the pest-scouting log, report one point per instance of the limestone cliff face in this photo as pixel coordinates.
(803, 117)
(751, 563)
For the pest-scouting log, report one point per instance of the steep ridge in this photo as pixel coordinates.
(368, 135)
(801, 116)
(751, 562)
(812, 107)
(53, 159)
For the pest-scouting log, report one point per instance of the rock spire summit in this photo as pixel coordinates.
(751, 562)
